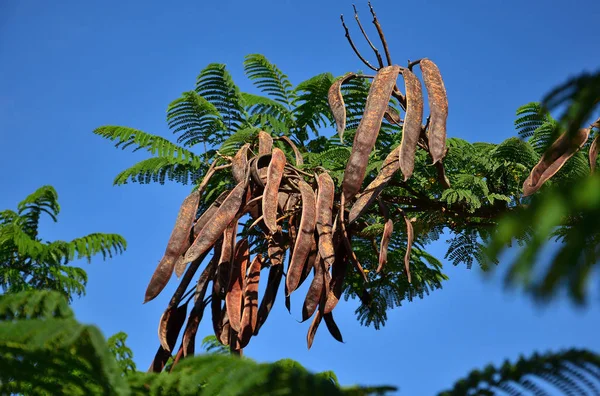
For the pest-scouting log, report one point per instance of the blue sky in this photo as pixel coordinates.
(68, 67)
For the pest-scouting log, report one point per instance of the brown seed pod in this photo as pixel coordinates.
(265, 143)
(269, 201)
(336, 103)
(177, 242)
(593, 154)
(222, 218)
(170, 325)
(225, 332)
(392, 116)
(390, 166)
(276, 252)
(368, 129)
(297, 153)
(312, 330)
(315, 292)
(208, 214)
(438, 108)
(338, 273)
(233, 299)
(216, 308)
(258, 169)
(410, 239)
(412, 123)
(304, 240)
(250, 309)
(553, 159)
(239, 164)
(388, 229)
(325, 197)
(332, 327)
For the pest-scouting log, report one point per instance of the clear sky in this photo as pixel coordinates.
(67, 67)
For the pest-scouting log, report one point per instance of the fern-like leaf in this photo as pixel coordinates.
(269, 78)
(197, 118)
(160, 169)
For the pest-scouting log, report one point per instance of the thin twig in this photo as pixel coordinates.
(381, 36)
(379, 60)
(413, 64)
(366, 62)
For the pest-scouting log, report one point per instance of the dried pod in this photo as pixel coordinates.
(170, 325)
(297, 153)
(239, 164)
(312, 330)
(388, 229)
(276, 252)
(332, 327)
(336, 103)
(315, 292)
(410, 239)
(412, 123)
(233, 299)
(304, 240)
(325, 197)
(338, 273)
(438, 108)
(209, 214)
(390, 166)
(222, 218)
(368, 129)
(265, 143)
(311, 262)
(189, 335)
(258, 169)
(269, 201)
(553, 159)
(250, 309)
(392, 116)
(593, 154)
(177, 242)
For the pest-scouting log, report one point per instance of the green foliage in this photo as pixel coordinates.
(571, 372)
(26, 262)
(211, 345)
(122, 353)
(269, 79)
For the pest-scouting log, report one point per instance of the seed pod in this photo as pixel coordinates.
(177, 242)
(338, 273)
(336, 103)
(170, 325)
(388, 229)
(225, 332)
(209, 214)
(189, 335)
(312, 330)
(553, 159)
(226, 257)
(239, 164)
(269, 201)
(276, 252)
(265, 143)
(305, 237)
(438, 108)
(332, 327)
(315, 292)
(390, 166)
(412, 123)
(249, 313)
(297, 153)
(233, 299)
(222, 218)
(216, 308)
(411, 236)
(593, 154)
(392, 116)
(258, 169)
(368, 129)
(325, 199)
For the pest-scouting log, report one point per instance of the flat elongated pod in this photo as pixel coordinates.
(332, 327)
(305, 236)
(368, 129)
(239, 164)
(177, 242)
(269, 201)
(297, 153)
(234, 297)
(250, 309)
(392, 116)
(216, 310)
(258, 168)
(388, 229)
(411, 129)
(312, 330)
(438, 108)
(553, 159)
(188, 341)
(338, 273)
(214, 228)
(593, 154)
(390, 166)
(325, 197)
(226, 256)
(225, 332)
(276, 252)
(410, 239)
(336, 103)
(265, 143)
(315, 292)
(170, 325)
(209, 214)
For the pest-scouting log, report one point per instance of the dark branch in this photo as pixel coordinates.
(379, 60)
(381, 36)
(366, 62)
